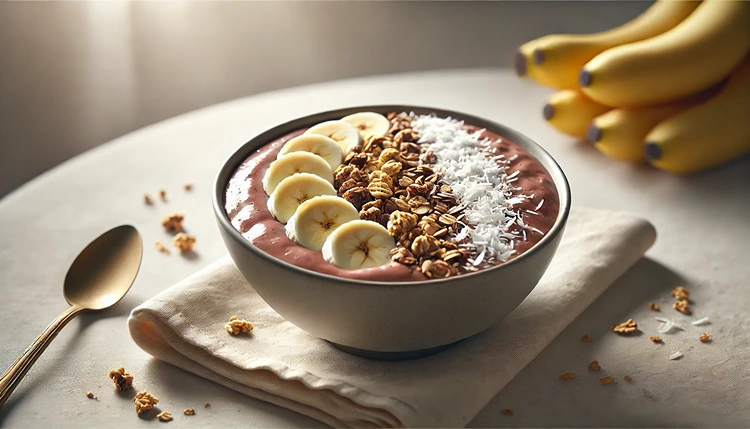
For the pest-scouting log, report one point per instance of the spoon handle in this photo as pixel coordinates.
(13, 376)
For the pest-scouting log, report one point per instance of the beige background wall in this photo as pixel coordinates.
(74, 75)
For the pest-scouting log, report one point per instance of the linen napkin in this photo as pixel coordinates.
(281, 364)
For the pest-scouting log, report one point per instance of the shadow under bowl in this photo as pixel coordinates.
(390, 320)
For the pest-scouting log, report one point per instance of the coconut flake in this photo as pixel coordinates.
(699, 322)
(480, 258)
(462, 234)
(539, 206)
(665, 327)
(675, 355)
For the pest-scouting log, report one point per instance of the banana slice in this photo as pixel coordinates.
(317, 218)
(342, 132)
(317, 144)
(295, 190)
(293, 163)
(359, 244)
(369, 124)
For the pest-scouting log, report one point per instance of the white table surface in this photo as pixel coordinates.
(704, 242)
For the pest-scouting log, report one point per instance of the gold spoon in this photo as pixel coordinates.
(99, 277)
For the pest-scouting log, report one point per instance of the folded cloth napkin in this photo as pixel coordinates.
(281, 364)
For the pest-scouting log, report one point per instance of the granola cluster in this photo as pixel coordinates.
(237, 326)
(145, 401)
(184, 242)
(626, 327)
(390, 181)
(123, 380)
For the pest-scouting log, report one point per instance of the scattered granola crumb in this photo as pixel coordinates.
(206, 405)
(653, 306)
(237, 326)
(147, 199)
(682, 306)
(655, 338)
(173, 222)
(123, 380)
(189, 412)
(626, 327)
(681, 293)
(594, 366)
(705, 338)
(628, 378)
(90, 395)
(567, 376)
(586, 338)
(145, 401)
(162, 248)
(184, 242)
(188, 187)
(507, 412)
(606, 380)
(164, 416)
(163, 195)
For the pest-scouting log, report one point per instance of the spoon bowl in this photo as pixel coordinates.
(104, 271)
(98, 278)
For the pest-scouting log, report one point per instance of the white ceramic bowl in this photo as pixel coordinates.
(384, 319)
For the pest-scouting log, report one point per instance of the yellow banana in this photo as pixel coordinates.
(556, 60)
(707, 135)
(571, 112)
(620, 133)
(525, 67)
(697, 53)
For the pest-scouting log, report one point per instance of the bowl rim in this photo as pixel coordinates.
(245, 150)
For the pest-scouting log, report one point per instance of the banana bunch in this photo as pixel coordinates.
(301, 193)
(671, 87)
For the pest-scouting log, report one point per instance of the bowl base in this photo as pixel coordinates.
(376, 355)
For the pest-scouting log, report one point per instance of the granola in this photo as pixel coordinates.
(173, 222)
(123, 380)
(189, 412)
(237, 326)
(389, 180)
(655, 338)
(144, 401)
(184, 242)
(681, 293)
(682, 306)
(704, 338)
(164, 416)
(586, 338)
(161, 247)
(90, 395)
(653, 306)
(626, 327)
(607, 380)
(188, 187)
(163, 195)
(147, 199)
(567, 376)
(594, 366)
(628, 378)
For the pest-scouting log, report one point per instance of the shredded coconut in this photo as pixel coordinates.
(675, 355)
(667, 325)
(699, 322)
(477, 181)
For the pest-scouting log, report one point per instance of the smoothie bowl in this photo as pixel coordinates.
(391, 231)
